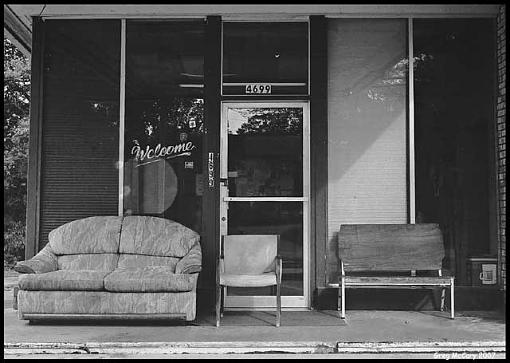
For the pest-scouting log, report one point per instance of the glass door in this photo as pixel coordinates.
(264, 189)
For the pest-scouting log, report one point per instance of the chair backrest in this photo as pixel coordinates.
(249, 254)
(390, 247)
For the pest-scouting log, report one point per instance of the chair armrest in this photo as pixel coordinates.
(44, 261)
(220, 268)
(192, 262)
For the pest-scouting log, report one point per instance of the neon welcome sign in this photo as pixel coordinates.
(149, 155)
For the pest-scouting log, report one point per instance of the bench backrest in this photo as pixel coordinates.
(390, 247)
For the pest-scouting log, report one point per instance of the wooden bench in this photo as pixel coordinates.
(389, 255)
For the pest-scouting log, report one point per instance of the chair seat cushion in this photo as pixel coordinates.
(267, 279)
(149, 279)
(63, 280)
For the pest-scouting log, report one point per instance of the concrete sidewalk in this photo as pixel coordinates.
(319, 332)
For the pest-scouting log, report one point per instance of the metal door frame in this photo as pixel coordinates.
(269, 302)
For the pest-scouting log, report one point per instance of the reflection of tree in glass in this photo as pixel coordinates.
(161, 121)
(272, 121)
(183, 113)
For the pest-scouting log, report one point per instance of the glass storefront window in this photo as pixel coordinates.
(80, 122)
(454, 108)
(164, 120)
(274, 54)
(367, 125)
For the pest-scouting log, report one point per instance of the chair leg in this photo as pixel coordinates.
(343, 298)
(278, 304)
(222, 306)
(218, 303)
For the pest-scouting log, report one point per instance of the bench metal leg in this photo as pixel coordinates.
(452, 298)
(343, 298)
(339, 299)
(443, 296)
(278, 304)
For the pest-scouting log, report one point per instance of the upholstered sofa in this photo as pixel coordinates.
(112, 267)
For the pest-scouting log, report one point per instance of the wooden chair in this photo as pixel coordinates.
(379, 255)
(248, 261)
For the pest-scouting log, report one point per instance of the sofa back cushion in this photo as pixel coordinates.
(96, 262)
(153, 236)
(141, 261)
(99, 234)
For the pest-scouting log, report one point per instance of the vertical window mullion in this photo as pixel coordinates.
(122, 107)
(411, 151)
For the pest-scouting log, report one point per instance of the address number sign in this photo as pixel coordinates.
(258, 88)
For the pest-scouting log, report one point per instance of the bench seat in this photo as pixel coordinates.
(396, 281)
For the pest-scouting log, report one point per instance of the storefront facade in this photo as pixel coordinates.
(288, 120)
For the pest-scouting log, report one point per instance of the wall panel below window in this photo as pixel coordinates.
(80, 125)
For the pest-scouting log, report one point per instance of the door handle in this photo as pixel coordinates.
(224, 181)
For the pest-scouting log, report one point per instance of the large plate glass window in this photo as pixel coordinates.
(367, 125)
(454, 82)
(261, 59)
(164, 120)
(80, 133)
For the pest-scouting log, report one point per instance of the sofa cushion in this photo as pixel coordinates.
(149, 279)
(140, 261)
(96, 262)
(64, 280)
(155, 236)
(100, 234)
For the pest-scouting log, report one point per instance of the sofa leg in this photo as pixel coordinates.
(15, 300)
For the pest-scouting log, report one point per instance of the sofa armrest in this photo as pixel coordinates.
(44, 261)
(192, 262)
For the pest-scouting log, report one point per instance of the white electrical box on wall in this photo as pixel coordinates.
(482, 271)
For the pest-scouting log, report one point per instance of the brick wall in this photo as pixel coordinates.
(501, 142)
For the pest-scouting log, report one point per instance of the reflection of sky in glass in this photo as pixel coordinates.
(236, 118)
